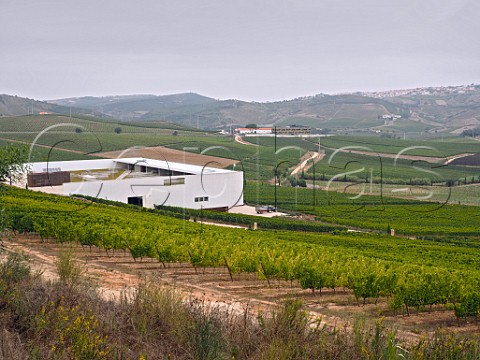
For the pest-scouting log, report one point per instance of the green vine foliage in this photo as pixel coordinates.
(413, 274)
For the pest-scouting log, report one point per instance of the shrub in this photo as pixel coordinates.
(68, 269)
(14, 269)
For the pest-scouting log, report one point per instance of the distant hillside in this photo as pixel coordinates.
(450, 109)
(12, 126)
(202, 112)
(433, 110)
(131, 107)
(15, 106)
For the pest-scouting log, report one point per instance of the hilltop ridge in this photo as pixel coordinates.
(449, 109)
(13, 105)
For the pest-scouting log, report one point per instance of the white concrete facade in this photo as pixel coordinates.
(154, 182)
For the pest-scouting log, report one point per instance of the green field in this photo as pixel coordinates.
(51, 154)
(447, 147)
(404, 125)
(358, 167)
(414, 218)
(98, 135)
(337, 123)
(258, 163)
(460, 195)
(340, 116)
(37, 123)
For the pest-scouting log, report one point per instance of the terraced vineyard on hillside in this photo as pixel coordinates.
(411, 273)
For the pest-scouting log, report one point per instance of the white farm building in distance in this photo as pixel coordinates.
(288, 130)
(140, 181)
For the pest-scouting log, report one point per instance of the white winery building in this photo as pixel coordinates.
(144, 182)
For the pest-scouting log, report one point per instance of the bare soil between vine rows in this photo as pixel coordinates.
(118, 275)
(167, 154)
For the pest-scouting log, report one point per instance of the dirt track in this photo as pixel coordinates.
(304, 162)
(242, 141)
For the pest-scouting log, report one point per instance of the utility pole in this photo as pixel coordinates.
(313, 168)
(320, 151)
(275, 136)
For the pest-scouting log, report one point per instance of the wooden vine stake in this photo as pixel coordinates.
(265, 273)
(129, 248)
(191, 261)
(158, 253)
(228, 268)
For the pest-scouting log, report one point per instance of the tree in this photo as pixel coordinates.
(12, 166)
(297, 182)
(251, 126)
(471, 132)
(78, 130)
(13, 161)
(118, 130)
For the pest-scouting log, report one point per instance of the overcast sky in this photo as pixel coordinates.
(245, 49)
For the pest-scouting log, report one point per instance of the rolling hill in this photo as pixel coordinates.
(427, 110)
(445, 109)
(16, 105)
(130, 107)
(203, 112)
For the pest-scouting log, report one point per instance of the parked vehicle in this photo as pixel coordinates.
(265, 209)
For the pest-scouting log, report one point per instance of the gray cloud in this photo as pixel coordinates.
(235, 49)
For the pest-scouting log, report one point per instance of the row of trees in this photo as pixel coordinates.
(471, 132)
(117, 130)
